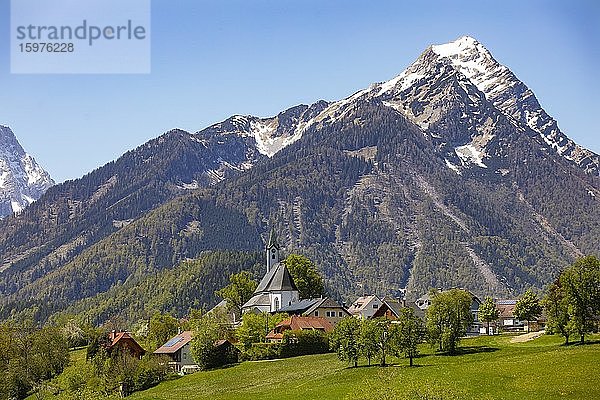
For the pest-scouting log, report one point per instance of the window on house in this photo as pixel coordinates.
(316, 313)
(276, 303)
(375, 306)
(340, 314)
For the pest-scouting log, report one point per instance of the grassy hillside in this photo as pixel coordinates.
(489, 368)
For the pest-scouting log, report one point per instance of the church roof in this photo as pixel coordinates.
(277, 279)
(272, 240)
(260, 299)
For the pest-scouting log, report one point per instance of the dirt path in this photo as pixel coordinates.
(527, 337)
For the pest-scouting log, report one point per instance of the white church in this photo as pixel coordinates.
(277, 288)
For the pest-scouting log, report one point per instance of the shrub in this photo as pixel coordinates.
(261, 351)
(150, 371)
(299, 343)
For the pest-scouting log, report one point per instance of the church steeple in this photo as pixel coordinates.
(272, 250)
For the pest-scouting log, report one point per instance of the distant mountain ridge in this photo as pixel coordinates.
(22, 179)
(439, 177)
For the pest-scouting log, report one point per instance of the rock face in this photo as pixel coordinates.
(22, 179)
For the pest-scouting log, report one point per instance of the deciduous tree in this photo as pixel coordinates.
(306, 276)
(345, 340)
(368, 339)
(448, 318)
(528, 307)
(581, 285)
(410, 332)
(255, 327)
(557, 311)
(239, 291)
(488, 312)
(162, 327)
(211, 327)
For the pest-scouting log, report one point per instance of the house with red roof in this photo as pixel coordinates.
(124, 342)
(299, 323)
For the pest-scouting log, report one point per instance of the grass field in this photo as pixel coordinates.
(489, 368)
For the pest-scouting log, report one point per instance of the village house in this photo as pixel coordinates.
(178, 350)
(423, 302)
(390, 308)
(507, 320)
(298, 323)
(325, 307)
(277, 288)
(476, 327)
(124, 342)
(365, 307)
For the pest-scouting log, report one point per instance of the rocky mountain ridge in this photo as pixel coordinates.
(22, 179)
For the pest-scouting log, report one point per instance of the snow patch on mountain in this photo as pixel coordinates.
(470, 154)
(405, 80)
(453, 167)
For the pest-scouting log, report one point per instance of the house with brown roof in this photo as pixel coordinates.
(124, 342)
(507, 320)
(178, 350)
(299, 323)
(324, 307)
(390, 308)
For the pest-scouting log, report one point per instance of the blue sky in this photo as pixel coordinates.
(212, 59)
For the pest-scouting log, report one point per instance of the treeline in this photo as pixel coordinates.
(146, 247)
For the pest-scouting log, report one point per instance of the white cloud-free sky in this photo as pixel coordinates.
(212, 59)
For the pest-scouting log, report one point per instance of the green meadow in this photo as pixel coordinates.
(487, 368)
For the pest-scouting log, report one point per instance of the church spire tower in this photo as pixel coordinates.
(272, 250)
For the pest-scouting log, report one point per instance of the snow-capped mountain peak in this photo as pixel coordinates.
(483, 84)
(473, 60)
(512, 97)
(22, 179)
(459, 46)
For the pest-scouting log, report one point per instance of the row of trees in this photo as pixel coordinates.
(573, 301)
(370, 338)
